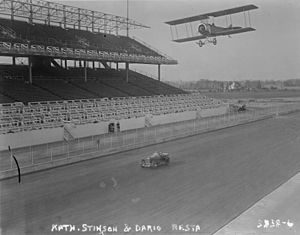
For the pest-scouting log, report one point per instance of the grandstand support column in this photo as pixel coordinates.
(158, 72)
(12, 10)
(30, 18)
(117, 66)
(48, 15)
(66, 64)
(127, 72)
(85, 71)
(93, 21)
(65, 17)
(79, 19)
(14, 60)
(30, 69)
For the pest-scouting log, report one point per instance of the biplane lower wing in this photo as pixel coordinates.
(190, 39)
(222, 33)
(232, 31)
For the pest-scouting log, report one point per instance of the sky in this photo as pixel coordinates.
(270, 52)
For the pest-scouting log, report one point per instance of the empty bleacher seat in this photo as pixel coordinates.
(24, 92)
(18, 117)
(57, 36)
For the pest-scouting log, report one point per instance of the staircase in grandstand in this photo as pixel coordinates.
(148, 121)
(67, 132)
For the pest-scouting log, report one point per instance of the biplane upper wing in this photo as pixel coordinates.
(222, 33)
(232, 10)
(212, 14)
(188, 19)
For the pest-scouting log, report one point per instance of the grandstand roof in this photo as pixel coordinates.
(66, 16)
(19, 38)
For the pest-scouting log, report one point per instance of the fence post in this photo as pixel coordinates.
(31, 154)
(124, 141)
(11, 160)
(111, 141)
(227, 118)
(194, 123)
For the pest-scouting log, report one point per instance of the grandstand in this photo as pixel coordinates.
(82, 39)
(74, 73)
(17, 117)
(68, 84)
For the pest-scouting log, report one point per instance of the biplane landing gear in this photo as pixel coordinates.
(200, 43)
(214, 41)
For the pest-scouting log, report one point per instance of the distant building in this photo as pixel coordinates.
(252, 85)
(234, 86)
(273, 85)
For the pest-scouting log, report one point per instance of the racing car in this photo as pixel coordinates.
(155, 160)
(239, 108)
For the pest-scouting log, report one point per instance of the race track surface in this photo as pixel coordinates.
(212, 178)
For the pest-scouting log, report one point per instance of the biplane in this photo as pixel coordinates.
(207, 31)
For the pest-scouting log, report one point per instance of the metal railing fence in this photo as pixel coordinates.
(59, 153)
